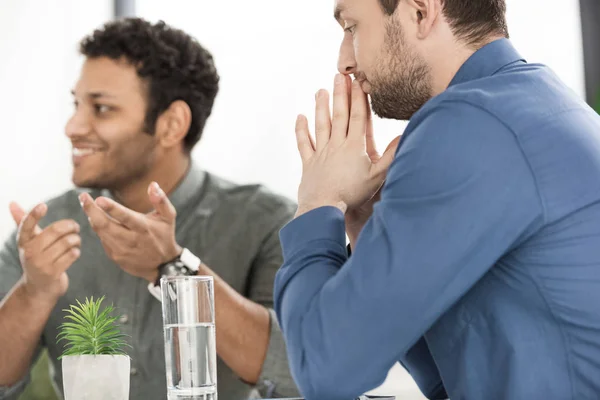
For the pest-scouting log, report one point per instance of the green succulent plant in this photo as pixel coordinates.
(597, 105)
(89, 331)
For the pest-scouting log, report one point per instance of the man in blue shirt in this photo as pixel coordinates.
(477, 265)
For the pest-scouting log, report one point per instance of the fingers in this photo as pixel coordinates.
(29, 223)
(55, 232)
(121, 214)
(62, 246)
(341, 108)
(322, 119)
(64, 261)
(357, 128)
(370, 137)
(348, 89)
(17, 212)
(306, 146)
(99, 220)
(387, 158)
(163, 206)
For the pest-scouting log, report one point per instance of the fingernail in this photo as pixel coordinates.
(339, 79)
(81, 200)
(156, 189)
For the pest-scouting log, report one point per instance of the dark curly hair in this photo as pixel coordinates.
(172, 63)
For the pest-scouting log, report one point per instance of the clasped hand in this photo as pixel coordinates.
(341, 167)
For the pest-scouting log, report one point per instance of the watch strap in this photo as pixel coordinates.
(186, 259)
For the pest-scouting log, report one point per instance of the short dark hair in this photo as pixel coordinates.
(471, 20)
(171, 62)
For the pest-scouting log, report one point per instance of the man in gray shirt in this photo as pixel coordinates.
(141, 103)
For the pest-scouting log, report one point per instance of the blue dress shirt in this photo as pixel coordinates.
(479, 269)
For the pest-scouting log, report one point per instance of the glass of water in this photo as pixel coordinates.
(190, 349)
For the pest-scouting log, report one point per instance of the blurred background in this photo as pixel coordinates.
(272, 57)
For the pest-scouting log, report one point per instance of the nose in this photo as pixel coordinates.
(78, 125)
(346, 59)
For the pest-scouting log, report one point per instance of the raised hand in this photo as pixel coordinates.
(341, 167)
(137, 242)
(357, 217)
(45, 254)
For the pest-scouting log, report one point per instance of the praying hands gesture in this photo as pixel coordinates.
(137, 242)
(342, 168)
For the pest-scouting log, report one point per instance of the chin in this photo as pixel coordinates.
(85, 182)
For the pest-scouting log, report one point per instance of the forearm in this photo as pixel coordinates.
(243, 330)
(23, 317)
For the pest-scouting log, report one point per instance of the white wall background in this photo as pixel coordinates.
(38, 66)
(272, 56)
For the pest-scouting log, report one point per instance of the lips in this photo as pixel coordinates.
(81, 153)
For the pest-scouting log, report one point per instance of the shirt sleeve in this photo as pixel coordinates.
(419, 363)
(458, 196)
(275, 379)
(10, 273)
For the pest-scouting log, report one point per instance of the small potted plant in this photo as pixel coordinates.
(94, 365)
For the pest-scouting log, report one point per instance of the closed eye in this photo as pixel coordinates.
(350, 29)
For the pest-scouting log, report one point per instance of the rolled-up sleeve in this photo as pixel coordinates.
(275, 379)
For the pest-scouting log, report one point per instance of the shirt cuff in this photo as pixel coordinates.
(275, 378)
(12, 392)
(324, 223)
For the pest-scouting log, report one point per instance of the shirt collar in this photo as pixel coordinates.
(487, 61)
(188, 187)
(184, 191)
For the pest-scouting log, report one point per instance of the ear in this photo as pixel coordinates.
(173, 124)
(424, 14)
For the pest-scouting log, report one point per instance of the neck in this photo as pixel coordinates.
(167, 174)
(448, 59)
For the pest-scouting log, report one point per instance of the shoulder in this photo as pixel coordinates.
(457, 123)
(522, 96)
(249, 200)
(451, 142)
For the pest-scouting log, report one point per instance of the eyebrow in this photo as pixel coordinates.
(95, 95)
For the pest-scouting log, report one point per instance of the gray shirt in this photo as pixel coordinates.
(233, 229)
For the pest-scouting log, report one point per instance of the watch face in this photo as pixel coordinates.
(175, 270)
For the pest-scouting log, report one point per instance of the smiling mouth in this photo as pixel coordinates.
(81, 152)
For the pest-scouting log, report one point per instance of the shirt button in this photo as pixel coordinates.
(123, 319)
(133, 371)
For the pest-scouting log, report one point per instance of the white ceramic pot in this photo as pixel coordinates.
(96, 377)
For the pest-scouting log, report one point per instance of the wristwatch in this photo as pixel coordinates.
(185, 264)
